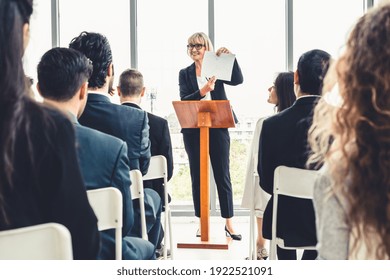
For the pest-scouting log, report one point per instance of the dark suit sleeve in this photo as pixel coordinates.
(71, 206)
(265, 155)
(145, 153)
(166, 148)
(186, 90)
(121, 180)
(237, 77)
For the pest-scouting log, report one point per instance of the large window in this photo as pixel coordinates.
(111, 19)
(256, 37)
(323, 25)
(255, 34)
(163, 30)
(40, 39)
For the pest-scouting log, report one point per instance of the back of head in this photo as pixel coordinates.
(312, 67)
(284, 86)
(96, 47)
(131, 83)
(61, 72)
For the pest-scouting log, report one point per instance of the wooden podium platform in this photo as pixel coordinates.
(204, 115)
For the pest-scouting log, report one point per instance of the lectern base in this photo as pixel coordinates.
(213, 243)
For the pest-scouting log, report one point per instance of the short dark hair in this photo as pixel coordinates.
(312, 67)
(96, 47)
(131, 82)
(61, 72)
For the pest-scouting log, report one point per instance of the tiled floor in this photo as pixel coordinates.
(184, 229)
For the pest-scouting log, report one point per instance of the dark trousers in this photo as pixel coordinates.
(219, 156)
(284, 254)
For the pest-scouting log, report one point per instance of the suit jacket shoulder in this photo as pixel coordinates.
(104, 163)
(126, 123)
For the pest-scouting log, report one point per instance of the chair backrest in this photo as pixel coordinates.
(108, 207)
(158, 168)
(293, 182)
(50, 241)
(137, 192)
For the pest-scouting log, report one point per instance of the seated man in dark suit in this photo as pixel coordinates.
(283, 141)
(126, 123)
(131, 90)
(63, 75)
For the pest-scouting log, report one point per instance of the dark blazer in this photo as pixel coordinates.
(189, 89)
(124, 122)
(283, 141)
(104, 163)
(56, 193)
(160, 141)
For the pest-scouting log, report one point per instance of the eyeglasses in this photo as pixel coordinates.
(196, 46)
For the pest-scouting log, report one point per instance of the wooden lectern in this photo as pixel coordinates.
(204, 115)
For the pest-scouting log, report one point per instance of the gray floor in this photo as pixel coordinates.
(184, 230)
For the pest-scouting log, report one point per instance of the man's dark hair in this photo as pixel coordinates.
(312, 67)
(96, 47)
(131, 82)
(61, 72)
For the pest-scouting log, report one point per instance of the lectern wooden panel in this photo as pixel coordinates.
(204, 115)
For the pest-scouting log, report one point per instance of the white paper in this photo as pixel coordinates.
(219, 66)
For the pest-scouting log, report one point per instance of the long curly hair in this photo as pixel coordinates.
(353, 139)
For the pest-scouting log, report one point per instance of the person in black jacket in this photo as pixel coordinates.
(62, 82)
(126, 123)
(131, 89)
(195, 87)
(283, 141)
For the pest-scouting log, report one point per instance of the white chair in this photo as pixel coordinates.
(49, 241)
(158, 169)
(252, 219)
(108, 207)
(293, 182)
(137, 192)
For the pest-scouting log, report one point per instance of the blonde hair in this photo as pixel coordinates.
(200, 37)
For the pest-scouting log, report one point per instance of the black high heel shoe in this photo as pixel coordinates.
(232, 235)
(198, 233)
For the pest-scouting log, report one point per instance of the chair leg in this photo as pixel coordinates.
(251, 234)
(170, 232)
(272, 250)
(166, 233)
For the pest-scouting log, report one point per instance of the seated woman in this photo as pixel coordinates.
(40, 180)
(282, 95)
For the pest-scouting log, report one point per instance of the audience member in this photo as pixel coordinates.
(63, 82)
(126, 123)
(283, 141)
(281, 94)
(131, 89)
(40, 180)
(194, 86)
(352, 198)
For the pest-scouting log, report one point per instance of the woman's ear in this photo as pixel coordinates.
(296, 78)
(26, 35)
(110, 71)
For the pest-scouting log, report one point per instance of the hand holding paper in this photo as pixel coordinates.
(219, 66)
